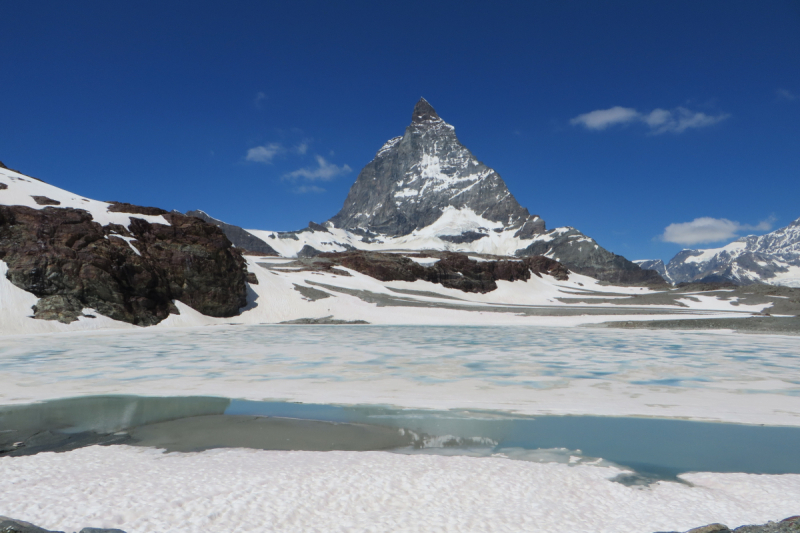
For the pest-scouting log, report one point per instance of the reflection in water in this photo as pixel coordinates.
(654, 448)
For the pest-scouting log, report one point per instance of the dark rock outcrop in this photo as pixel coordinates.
(308, 251)
(3, 186)
(787, 525)
(123, 207)
(71, 262)
(44, 200)
(452, 270)
(9, 525)
(240, 238)
(467, 236)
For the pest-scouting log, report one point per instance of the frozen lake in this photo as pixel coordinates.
(752, 379)
(487, 399)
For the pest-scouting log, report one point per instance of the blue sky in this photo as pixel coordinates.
(618, 118)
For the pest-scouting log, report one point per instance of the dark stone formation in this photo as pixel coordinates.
(393, 195)
(317, 227)
(245, 241)
(583, 255)
(123, 207)
(9, 525)
(453, 270)
(2, 165)
(62, 256)
(787, 525)
(3, 186)
(467, 236)
(308, 251)
(44, 200)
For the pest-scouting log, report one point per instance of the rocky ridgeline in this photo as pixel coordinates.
(452, 270)
(129, 274)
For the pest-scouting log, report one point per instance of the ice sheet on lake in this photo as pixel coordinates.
(728, 377)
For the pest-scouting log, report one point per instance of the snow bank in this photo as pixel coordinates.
(141, 490)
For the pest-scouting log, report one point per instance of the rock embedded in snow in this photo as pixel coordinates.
(9, 525)
(451, 270)
(130, 274)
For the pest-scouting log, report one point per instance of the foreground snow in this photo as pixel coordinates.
(142, 490)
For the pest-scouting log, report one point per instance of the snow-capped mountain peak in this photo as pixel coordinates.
(771, 258)
(413, 179)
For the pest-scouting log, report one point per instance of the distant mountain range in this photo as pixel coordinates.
(425, 190)
(773, 258)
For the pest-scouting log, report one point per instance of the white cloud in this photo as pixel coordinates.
(324, 171)
(603, 118)
(707, 229)
(658, 120)
(266, 153)
(301, 148)
(305, 189)
(785, 94)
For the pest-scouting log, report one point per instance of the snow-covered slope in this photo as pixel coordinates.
(19, 189)
(773, 258)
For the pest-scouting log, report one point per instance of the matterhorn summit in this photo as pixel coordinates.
(425, 191)
(416, 178)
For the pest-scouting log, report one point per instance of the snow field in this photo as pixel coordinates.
(142, 490)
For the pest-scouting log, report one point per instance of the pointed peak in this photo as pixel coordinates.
(424, 112)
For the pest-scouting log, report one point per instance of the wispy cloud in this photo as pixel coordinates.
(785, 94)
(306, 189)
(707, 229)
(265, 153)
(658, 120)
(258, 101)
(324, 171)
(301, 148)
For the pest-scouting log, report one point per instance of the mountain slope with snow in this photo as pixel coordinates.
(773, 258)
(426, 191)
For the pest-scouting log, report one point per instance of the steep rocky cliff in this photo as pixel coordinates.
(131, 268)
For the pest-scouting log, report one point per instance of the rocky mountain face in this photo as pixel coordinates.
(413, 178)
(654, 264)
(242, 239)
(583, 255)
(128, 273)
(773, 258)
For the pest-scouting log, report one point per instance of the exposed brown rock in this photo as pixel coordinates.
(62, 256)
(44, 200)
(123, 207)
(453, 270)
